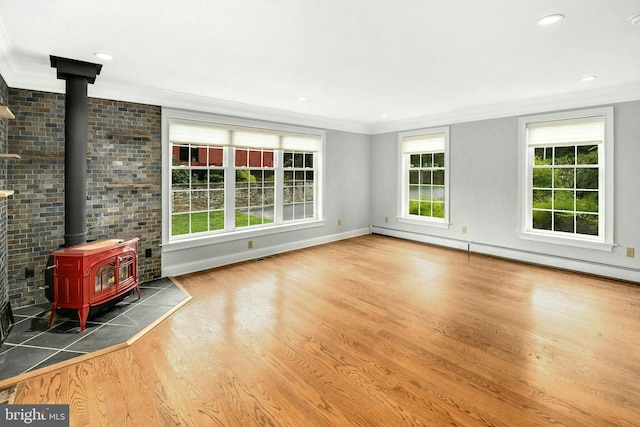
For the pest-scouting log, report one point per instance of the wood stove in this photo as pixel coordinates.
(85, 275)
(93, 274)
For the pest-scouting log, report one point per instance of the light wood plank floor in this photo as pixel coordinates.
(371, 331)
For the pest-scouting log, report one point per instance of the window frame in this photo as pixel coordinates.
(604, 241)
(182, 241)
(403, 179)
(233, 169)
(193, 169)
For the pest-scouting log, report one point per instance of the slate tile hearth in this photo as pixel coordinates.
(31, 345)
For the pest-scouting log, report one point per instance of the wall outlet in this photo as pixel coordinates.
(386, 219)
(631, 252)
(250, 244)
(464, 229)
(147, 253)
(28, 272)
(339, 222)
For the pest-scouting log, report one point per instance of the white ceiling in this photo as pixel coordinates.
(420, 62)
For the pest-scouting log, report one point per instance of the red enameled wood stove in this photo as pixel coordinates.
(92, 274)
(85, 274)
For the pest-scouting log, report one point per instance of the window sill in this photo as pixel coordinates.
(212, 239)
(424, 222)
(569, 241)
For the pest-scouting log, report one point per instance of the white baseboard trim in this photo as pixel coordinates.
(423, 238)
(208, 263)
(598, 269)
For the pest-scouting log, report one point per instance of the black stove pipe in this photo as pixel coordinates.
(78, 75)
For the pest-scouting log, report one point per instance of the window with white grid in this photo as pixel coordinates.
(424, 176)
(227, 177)
(566, 178)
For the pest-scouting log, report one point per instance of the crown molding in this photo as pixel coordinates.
(33, 74)
(184, 101)
(37, 74)
(566, 101)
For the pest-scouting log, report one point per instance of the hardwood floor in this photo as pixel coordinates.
(371, 331)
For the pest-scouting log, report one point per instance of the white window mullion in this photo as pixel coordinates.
(229, 189)
(190, 192)
(279, 186)
(316, 190)
(405, 193)
(603, 207)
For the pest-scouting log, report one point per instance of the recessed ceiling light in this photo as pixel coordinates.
(104, 56)
(551, 19)
(588, 78)
(635, 20)
(384, 116)
(302, 98)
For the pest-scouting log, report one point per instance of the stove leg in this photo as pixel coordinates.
(82, 314)
(53, 314)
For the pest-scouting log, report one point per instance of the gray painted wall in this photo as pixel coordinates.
(484, 195)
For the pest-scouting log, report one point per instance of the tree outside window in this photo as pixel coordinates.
(424, 176)
(567, 178)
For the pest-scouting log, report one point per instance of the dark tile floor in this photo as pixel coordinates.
(31, 345)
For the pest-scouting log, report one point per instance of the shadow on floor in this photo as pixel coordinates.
(31, 345)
